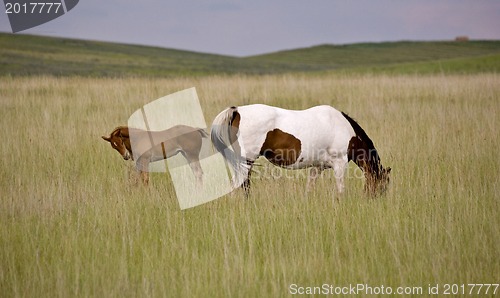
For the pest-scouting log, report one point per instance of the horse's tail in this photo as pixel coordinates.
(203, 133)
(220, 135)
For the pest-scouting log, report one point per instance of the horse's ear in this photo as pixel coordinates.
(106, 138)
(124, 132)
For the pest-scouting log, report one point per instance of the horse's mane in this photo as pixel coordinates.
(360, 132)
(117, 129)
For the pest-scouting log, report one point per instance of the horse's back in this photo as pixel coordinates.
(320, 129)
(179, 137)
(324, 118)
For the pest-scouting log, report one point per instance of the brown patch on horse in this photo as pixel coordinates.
(281, 148)
(358, 152)
(233, 132)
(234, 127)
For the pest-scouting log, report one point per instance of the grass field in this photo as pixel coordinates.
(72, 225)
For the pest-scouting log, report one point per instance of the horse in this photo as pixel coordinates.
(319, 138)
(149, 146)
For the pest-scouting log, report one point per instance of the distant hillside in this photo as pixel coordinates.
(387, 55)
(37, 55)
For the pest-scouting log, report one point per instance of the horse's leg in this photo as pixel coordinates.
(194, 164)
(314, 173)
(197, 171)
(246, 182)
(145, 177)
(339, 167)
(142, 168)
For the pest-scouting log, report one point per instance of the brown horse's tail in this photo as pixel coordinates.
(203, 133)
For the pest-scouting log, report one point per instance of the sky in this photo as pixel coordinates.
(250, 27)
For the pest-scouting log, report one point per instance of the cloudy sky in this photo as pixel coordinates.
(249, 27)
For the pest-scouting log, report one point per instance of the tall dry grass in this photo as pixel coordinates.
(72, 225)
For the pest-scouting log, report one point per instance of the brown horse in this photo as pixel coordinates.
(149, 146)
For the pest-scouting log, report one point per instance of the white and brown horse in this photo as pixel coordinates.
(149, 146)
(320, 137)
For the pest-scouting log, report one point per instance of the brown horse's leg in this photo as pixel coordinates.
(142, 168)
(197, 171)
(145, 177)
(194, 164)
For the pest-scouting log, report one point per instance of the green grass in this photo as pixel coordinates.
(71, 224)
(36, 55)
(24, 55)
(334, 57)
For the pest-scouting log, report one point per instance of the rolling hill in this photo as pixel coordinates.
(37, 55)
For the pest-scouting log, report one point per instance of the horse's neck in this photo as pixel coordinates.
(367, 159)
(126, 141)
(369, 168)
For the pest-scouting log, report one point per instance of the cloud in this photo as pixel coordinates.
(446, 19)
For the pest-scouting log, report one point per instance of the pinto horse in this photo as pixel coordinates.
(150, 146)
(320, 138)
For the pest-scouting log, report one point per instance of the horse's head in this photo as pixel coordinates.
(377, 184)
(383, 181)
(116, 139)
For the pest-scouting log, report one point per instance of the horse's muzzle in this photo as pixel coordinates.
(126, 156)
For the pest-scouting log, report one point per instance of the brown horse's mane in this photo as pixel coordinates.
(117, 130)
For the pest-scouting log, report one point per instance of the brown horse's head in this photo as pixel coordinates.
(118, 139)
